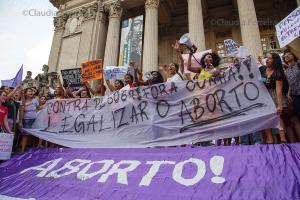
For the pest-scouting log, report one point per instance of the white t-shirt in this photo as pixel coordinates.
(175, 78)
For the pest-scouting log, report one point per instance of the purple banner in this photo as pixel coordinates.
(242, 172)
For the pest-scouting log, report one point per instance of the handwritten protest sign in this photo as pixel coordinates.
(6, 143)
(231, 47)
(72, 77)
(166, 114)
(289, 28)
(92, 70)
(239, 172)
(113, 72)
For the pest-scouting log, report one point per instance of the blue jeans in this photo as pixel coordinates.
(256, 137)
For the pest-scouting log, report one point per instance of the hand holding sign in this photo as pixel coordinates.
(113, 72)
(231, 47)
(92, 70)
(289, 28)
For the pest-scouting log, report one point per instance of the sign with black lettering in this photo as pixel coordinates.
(233, 104)
(72, 77)
(231, 47)
(289, 28)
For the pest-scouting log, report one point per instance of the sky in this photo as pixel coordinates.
(25, 37)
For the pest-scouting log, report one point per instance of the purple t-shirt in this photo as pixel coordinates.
(30, 109)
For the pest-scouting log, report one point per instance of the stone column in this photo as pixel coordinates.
(249, 27)
(59, 23)
(236, 34)
(212, 38)
(196, 26)
(150, 53)
(113, 34)
(99, 35)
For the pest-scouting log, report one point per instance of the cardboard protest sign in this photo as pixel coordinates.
(289, 28)
(231, 47)
(113, 72)
(167, 114)
(6, 143)
(72, 77)
(92, 70)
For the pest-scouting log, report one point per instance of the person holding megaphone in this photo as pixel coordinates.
(209, 62)
(209, 65)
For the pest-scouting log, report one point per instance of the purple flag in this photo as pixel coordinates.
(240, 172)
(15, 81)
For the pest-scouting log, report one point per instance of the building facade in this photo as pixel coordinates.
(91, 29)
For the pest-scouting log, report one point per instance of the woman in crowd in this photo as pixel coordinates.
(291, 59)
(4, 127)
(118, 85)
(12, 106)
(100, 89)
(84, 93)
(60, 92)
(42, 104)
(172, 73)
(209, 65)
(274, 79)
(28, 114)
(152, 78)
(129, 81)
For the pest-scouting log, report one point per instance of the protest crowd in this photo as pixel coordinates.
(281, 76)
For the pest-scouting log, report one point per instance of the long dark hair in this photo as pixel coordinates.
(25, 91)
(131, 77)
(215, 59)
(158, 78)
(277, 64)
(121, 82)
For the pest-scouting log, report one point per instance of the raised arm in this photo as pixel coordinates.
(137, 72)
(179, 55)
(65, 93)
(110, 86)
(10, 95)
(190, 67)
(88, 86)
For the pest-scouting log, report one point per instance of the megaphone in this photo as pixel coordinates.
(185, 40)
